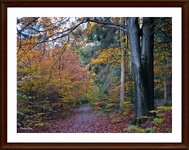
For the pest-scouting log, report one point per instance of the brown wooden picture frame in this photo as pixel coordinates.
(184, 4)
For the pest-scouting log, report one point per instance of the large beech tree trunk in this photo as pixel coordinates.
(134, 36)
(147, 60)
(142, 64)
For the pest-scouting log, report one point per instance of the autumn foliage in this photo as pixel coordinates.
(50, 81)
(86, 68)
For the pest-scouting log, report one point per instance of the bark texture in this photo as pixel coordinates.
(147, 60)
(122, 77)
(142, 64)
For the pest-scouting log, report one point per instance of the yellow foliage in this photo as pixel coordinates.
(92, 25)
(106, 56)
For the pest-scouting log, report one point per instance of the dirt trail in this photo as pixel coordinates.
(84, 120)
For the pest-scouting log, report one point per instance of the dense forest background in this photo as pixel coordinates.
(111, 72)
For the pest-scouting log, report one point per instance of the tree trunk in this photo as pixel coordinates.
(142, 65)
(134, 36)
(147, 60)
(122, 77)
(167, 90)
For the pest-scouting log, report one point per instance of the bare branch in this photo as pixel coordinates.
(109, 24)
(27, 25)
(63, 35)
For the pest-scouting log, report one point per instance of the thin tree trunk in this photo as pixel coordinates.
(169, 89)
(165, 91)
(122, 77)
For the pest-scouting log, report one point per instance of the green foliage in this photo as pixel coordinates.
(151, 130)
(104, 104)
(161, 109)
(159, 124)
(164, 108)
(134, 129)
(127, 105)
(158, 120)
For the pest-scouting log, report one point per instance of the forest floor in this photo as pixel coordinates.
(85, 120)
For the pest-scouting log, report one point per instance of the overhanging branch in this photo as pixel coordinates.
(109, 24)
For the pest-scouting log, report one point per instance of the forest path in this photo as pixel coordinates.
(85, 120)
